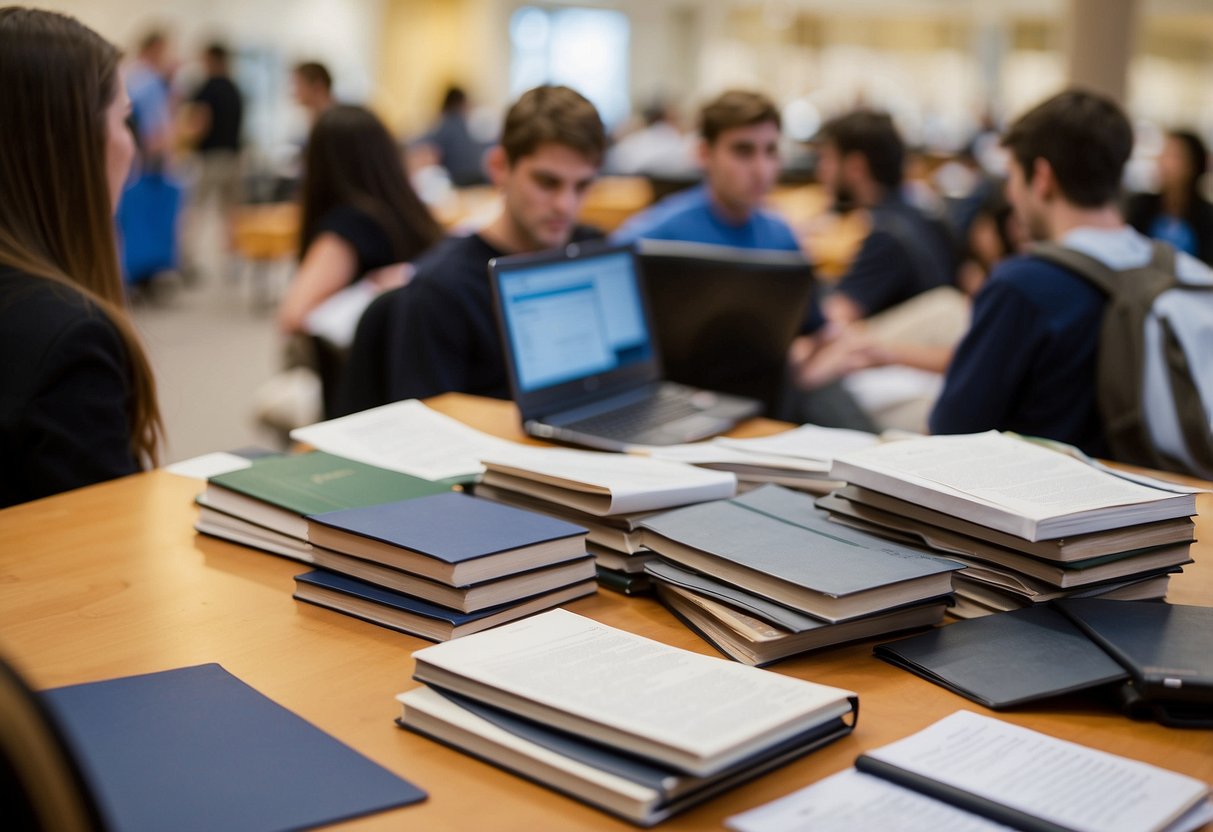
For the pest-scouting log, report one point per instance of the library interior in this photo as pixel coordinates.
(758, 415)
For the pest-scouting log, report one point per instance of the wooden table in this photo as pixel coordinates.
(112, 580)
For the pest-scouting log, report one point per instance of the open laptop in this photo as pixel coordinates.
(725, 317)
(584, 366)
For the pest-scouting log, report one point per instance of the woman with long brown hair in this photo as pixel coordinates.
(77, 397)
(360, 214)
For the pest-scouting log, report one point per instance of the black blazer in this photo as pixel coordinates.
(65, 391)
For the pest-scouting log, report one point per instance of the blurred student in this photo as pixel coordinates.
(77, 397)
(216, 118)
(1178, 213)
(439, 334)
(1028, 363)
(657, 149)
(861, 163)
(739, 153)
(147, 83)
(459, 153)
(313, 88)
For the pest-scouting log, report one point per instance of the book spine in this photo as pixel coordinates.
(954, 796)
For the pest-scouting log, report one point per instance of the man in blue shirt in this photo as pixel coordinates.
(1028, 363)
(739, 153)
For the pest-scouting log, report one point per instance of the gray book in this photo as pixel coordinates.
(774, 543)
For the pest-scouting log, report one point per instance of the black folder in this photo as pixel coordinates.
(1166, 648)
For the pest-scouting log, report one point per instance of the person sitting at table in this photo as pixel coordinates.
(438, 334)
(360, 221)
(77, 396)
(739, 154)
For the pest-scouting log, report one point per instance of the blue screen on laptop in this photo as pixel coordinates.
(573, 318)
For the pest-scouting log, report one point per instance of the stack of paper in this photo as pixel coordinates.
(1030, 524)
(766, 575)
(635, 727)
(977, 774)
(445, 565)
(265, 504)
(799, 458)
(608, 494)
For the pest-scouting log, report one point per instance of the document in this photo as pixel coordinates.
(850, 801)
(208, 465)
(605, 483)
(1033, 774)
(407, 437)
(806, 442)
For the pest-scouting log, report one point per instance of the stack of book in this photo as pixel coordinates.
(608, 494)
(265, 505)
(445, 565)
(629, 725)
(799, 458)
(766, 575)
(1030, 524)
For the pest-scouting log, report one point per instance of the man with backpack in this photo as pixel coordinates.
(1098, 338)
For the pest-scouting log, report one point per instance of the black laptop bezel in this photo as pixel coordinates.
(537, 404)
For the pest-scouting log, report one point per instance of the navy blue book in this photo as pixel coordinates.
(453, 538)
(197, 749)
(421, 618)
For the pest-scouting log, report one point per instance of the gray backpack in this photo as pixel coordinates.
(1155, 365)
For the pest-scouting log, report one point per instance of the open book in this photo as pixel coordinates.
(972, 772)
(1008, 484)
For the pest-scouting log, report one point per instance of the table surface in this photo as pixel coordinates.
(111, 580)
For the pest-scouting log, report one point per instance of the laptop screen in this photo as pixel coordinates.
(572, 318)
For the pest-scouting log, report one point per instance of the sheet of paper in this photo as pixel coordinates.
(686, 700)
(717, 453)
(407, 437)
(635, 483)
(850, 801)
(209, 465)
(806, 442)
(1068, 784)
(336, 319)
(1009, 473)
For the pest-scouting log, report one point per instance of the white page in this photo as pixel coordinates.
(209, 465)
(336, 318)
(716, 453)
(634, 483)
(696, 703)
(407, 437)
(1000, 471)
(807, 442)
(1068, 784)
(851, 801)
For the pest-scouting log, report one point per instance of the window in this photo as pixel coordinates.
(586, 49)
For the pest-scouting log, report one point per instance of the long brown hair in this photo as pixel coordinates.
(57, 79)
(352, 160)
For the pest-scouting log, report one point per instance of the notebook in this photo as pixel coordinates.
(725, 317)
(583, 362)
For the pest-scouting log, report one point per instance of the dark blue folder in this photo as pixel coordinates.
(197, 749)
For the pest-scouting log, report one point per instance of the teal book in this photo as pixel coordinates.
(277, 492)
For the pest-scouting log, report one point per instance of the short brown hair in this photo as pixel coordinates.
(557, 115)
(736, 108)
(314, 74)
(873, 135)
(1086, 139)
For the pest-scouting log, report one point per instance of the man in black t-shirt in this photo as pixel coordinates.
(439, 334)
(217, 114)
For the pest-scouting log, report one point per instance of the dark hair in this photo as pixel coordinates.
(1085, 138)
(735, 108)
(315, 74)
(453, 99)
(872, 135)
(152, 39)
(56, 215)
(352, 160)
(553, 114)
(217, 52)
(1198, 156)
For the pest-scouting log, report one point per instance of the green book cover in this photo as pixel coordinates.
(316, 482)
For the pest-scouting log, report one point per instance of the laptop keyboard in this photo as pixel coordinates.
(627, 422)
